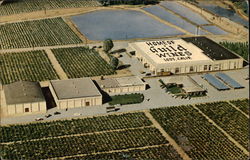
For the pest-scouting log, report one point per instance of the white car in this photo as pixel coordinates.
(77, 114)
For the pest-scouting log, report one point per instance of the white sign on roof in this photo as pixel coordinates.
(170, 51)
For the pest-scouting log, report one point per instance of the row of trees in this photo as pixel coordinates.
(240, 48)
(82, 62)
(26, 66)
(83, 144)
(24, 6)
(129, 2)
(195, 134)
(229, 119)
(243, 105)
(75, 126)
(156, 153)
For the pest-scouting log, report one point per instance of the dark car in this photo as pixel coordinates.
(48, 115)
(56, 113)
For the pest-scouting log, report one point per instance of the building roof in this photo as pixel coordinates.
(120, 82)
(23, 92)
(169, 51)
(75, 88)
(189, 85)
(211, 49)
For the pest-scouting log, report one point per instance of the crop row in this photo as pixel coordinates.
(86, 144)
(37, 33)
(29, 66)
(243, 105)
(82, 62)
(74, 126)
(157, 153)
(195, 134)
(26, 6)
(229, 119)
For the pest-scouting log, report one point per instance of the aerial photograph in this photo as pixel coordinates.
(124, 80)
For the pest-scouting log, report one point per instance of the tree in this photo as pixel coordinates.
(114, 62)
(108, 45)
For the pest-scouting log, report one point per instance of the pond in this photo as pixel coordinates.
(214, 30)
(121, 25)
(223, 12)
(184, 12)
(174, 19)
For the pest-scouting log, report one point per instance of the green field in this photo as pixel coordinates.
(26, 66)
(37, 33)
(132, 135)
(157, 153)
(82, 62)
(75, 126)
(26, 6)
(243, 105)
(238, 47)
(133, 131)
(192, 131)
(127, 99)
(229, 119)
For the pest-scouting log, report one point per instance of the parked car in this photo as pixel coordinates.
(48, 115)
(39, 119)
(56, 113)
(77, 114)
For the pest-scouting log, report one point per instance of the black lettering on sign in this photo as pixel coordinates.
(149, 43)
(161, 54)
(173, 48)
(152, 49)
(180, 48)
(169, 59)
(181, 54)
(188, 53)
(170, 42)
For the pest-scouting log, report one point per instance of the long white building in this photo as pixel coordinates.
(186, 55)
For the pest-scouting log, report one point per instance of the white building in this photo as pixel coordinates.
(186, 55)
(121, 84)
(21, 98)
(74, 93)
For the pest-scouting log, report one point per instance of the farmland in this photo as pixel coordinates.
(26, 6)
(159, 153)
(28, 66)
(229, 119)
(243, 105)
(237, 47)
(82, 62)
(199, 138)
(131, 135)
(86, 125)
(133, 131)
(37, 33)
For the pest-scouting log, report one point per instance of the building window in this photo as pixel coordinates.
(26, 110)
(235, 65)
(162, 70)
(191, 69)
(210, 67)
(87, 103)
(205, 67)
(177, 70)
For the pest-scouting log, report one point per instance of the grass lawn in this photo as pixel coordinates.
(127, 99)
(174, 90)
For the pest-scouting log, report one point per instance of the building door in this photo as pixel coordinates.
(87, 103)
(26, 110)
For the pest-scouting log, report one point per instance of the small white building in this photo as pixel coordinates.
(121, 84)
(74, 93)
(186, 55)
(23, 97)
